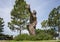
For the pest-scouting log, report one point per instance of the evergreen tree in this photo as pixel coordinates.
(54, 18)
(1, 25)
(19, 16)
(51, 19)
(44, 23)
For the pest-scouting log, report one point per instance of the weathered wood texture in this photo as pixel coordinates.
(33, 21)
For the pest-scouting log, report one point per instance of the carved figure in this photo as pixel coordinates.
(33, 21)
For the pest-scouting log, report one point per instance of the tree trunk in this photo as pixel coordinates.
(59, 31)
(20, 30)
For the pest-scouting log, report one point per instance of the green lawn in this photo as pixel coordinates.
(30, 41)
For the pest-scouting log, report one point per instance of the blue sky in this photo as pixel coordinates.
(42, 7)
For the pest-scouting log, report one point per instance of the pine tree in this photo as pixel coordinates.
(44, 23)
(1, 25)
(54, 18)
(19, 16)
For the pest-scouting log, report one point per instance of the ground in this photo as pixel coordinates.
(30, 41)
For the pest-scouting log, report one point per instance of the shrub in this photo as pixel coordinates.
(40, 35)
(25, 37)
(33, 38)
(43, 36)
(5, 37)
(22, 37)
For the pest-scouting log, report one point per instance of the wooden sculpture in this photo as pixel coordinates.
(33, 21)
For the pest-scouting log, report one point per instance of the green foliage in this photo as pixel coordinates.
(44, 34)
(40, 35)
(44, 23)
(49, 31)
(1, 25)
(19, 16)
(25, 37)
(54, 18)
(5, 37)
(22, 37)
(33, 38)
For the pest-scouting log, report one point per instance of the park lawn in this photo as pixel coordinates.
(30, 41)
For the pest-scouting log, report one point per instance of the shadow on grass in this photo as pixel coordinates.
(58, 41)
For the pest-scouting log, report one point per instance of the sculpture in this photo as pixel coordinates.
(33, 21)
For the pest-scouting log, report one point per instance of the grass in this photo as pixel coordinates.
(30, 41)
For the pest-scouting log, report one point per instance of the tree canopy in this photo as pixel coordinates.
(54, 18)
(44, 23)
(1, 25)
(19, 16)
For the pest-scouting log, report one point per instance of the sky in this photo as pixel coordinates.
(42, 7)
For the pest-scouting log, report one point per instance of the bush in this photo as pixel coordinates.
(43, 36)
(40, 35)
(33, 38)
(6, 37)
(25, 37)
(22, 37)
